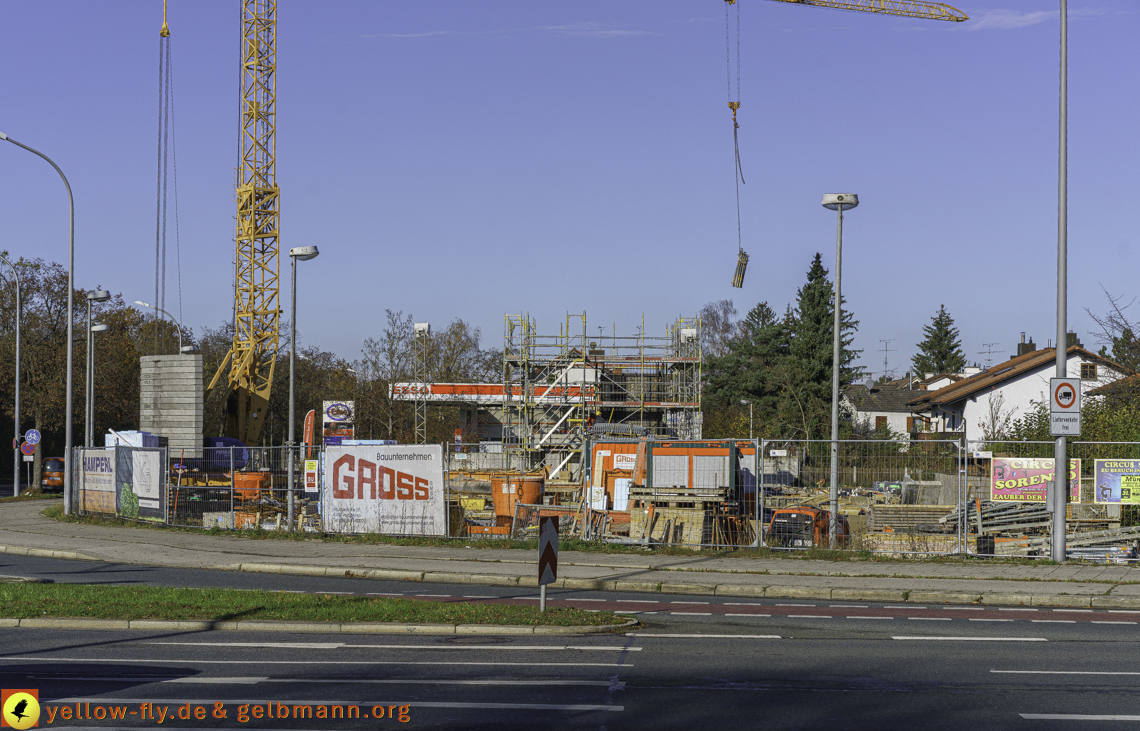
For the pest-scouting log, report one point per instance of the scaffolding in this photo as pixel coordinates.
(421, 340)
(560, 389)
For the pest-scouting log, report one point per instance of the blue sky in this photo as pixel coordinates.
(459, 159)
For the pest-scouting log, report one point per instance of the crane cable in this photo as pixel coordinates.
(166, 146)
(734, 105)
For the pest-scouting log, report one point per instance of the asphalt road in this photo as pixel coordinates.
(718, 665)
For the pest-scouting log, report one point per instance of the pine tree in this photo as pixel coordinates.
(941, 351)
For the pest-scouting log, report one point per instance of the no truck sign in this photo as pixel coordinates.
(1064, 407)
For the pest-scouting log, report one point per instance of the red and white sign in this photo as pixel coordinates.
(389, 489)
(312, 467)
(625, 461)
(1065, 407)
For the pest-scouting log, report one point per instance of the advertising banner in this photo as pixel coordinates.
(1023, 479)
(311, 468)
(394, 490)
(97, 480)
(139, 477)
(1117, 481)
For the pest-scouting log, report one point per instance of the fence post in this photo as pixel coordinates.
(447, 491)
(289, 485)
(233, 515)
(761, 447)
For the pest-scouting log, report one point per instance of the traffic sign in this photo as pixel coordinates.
(15, 443)
(1064, 407)
(547, 550)
(28, 448)
(33, 436)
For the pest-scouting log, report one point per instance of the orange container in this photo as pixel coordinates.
(507, 490)
(248, 485)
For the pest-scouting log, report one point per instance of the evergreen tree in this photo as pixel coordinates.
(941, 351)
(744, 372)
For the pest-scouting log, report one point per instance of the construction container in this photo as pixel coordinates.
(506, 490)
(248, 485)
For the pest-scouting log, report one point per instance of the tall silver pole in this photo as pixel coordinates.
(16, 444)
(837, 319)
(1061, 465)
(70, 389)
(90, 402)
(292, 387)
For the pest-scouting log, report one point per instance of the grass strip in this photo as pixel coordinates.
(25, 496)
(101, 601)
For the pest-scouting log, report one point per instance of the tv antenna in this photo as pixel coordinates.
(988, 352)
(887, 350)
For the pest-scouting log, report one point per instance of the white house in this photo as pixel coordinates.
(990, 401)
(874, 406)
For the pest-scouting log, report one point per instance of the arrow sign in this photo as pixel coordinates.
(28, 448)
(32, 437)
(547, 550)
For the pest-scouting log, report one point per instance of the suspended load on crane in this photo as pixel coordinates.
(741, 265)
(738, 173)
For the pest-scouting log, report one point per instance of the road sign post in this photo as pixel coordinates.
(1064, 407)
(547, 556)
(28, 448)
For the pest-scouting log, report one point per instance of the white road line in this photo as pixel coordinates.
(442, 646)
(986, 619)
(730, 614)
(848, 606)
(587, 600)
(795, 605)
(1074, 717)
(870, 617)
(809, 616)
(379, 593)
(744, 604)
(1123, 611)
(688, 602)
(1073, 610)
(1102, 621)
(973, 639)
(1062, 672)
(968, 609)
(143, 660)
(638, 601)
(436, 595)
(716, 637)
(888, 606)
(693, 614)
(1015, 609)
(1054, 621)
(931, 619)
(473, 596)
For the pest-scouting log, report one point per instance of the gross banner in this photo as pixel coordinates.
(139, 477)
(395, 490)
(1023, 479)
(97, 480)
(1117, 481)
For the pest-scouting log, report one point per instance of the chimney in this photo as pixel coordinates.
(1073, 340)
(1024, 347)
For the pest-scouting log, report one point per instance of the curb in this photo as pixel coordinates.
(374, 628)
(46, 553)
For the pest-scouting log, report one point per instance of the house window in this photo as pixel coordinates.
(880, 423)
(1088, 371)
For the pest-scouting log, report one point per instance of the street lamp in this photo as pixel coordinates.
(836, 202)
(1061, 462)
(16, 440)
(69, 415)
(99, 295)
(302, 253)
(746, 401)
(181, 349)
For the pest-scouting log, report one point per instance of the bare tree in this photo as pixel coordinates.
(718, 327)
(998, 419)
(1117, 335)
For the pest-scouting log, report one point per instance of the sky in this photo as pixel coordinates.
(458, 159)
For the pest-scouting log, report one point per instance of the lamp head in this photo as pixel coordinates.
(100, 328)
(98, 295)
(144, 304)
(833, 201)
(304, 253)
(186, 349)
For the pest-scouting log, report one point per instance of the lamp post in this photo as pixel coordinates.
(69, 391)
(746, 401)
(181, 349)
(99, 295)
(302, 253)
(16, 439)
(836, 202)
(1061, 462)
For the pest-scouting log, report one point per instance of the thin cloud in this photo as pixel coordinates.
(1014, 19)
(590, 29)
(426, 34)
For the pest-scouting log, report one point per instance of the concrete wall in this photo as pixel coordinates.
(170, 403)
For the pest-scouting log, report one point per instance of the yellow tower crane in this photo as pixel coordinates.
(906, 8)
(248, 367)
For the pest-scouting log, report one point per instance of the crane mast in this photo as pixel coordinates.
(248, 367)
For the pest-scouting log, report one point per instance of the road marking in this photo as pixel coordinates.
(795, 605)
(378, 593)
(930, 619)
(688, 602)
(810, 616)
(1015, 609)
(968, 609)
(717, 637)
(143, 660)
(587, 600)
(693, 614)
(1062, 672)
(1074, 717)
(986, 619)
(730, 614)
(345, 646)
(436, 595)
(1072, 610)
(890, 607)
(1054, 621)
(848, 606)
(252, 680)
(638, 601)
(1123, 611)
(745, 604)
(870, 617)
(1102, 621)
(473, 596)
(971, 639)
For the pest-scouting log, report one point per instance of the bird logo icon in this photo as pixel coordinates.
(21, 709)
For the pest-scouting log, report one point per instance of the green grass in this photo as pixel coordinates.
(151, 602)
(31, 496)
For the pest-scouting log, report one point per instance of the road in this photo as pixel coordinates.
(704, 663)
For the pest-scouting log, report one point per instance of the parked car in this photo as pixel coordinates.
(52, 479)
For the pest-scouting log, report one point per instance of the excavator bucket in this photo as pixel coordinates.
(741, 265)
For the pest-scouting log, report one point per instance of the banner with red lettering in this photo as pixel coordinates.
(389, 489)
(1024, 479)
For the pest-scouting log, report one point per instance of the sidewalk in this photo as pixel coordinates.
(24, 531)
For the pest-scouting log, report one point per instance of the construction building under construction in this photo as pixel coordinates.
(560, 389)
